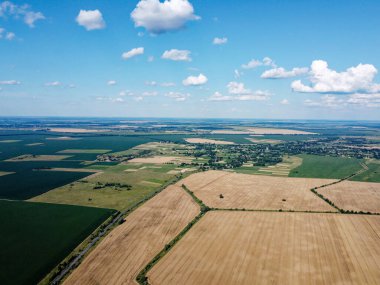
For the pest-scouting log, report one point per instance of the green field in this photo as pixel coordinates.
(35, 237)
(314, 166)
(370, 175)
(144, 179)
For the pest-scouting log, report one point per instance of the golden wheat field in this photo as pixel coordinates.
(227, 247)
(355, 196)
(129, 247)
(256, 191)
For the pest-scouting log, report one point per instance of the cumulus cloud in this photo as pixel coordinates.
(284, 102)
(91, 19)
(53, 84)
(357, 79)
(178, 96)
(24, 12)
(347, 100)
(220, 41)
(111, 82)
(133, 52)
(238, 92)
(195, 80)
(177, 55)
(253, 63)
(10, 82)
(167, 84)
(280, 72)
(159, 17)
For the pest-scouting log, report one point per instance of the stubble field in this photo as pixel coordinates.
(274, 248)
(128, 248)
(219, 189)
(354, 196)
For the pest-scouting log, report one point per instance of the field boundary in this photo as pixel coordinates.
(141, 278)
(64, 268)
(332, 204)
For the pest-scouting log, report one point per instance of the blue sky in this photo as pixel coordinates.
(247, 59)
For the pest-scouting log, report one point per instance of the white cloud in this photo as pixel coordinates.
(6, 35)
(280, 72)
(151, 83)
(177, 55)
(178, 96)
(367, 100)
(10, 82)
(138, 98)
(53, 84)
(150, 58)
(126, 93)
(91, 19)
(159, 17)
(357, 79)
(241, 93)
(237, 88)
(220, 41)
(24, 12)
(111, 82)
(195, 80)
(133, 52)
(284, 102)
(237, 73)
(217, 96)
(253, 63)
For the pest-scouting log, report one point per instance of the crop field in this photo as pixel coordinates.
(27, 184)
(162, 159)
(219, 189)
(35, 237)
(105, 189)
(280, 169)
(372, 174)
(314, 166)
(128, 248)
(206, 141)
(354, 196)
(274, 248)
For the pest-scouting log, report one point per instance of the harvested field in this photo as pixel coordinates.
(272, 131)
(160, 159)
(3, 173)
(274, 248)
(205, 141)
(30, 157)
(256, 191)
(267, 141)
(354, 196)
(9, 141)
(84, 151)
(73, 130)
(128, 248)
(63, 139)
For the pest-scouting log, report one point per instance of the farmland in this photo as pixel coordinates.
(226, 190)
(35, 237)
(326, 167)
(125, 251)
(354, 196)
(102, 190)
(274, 248)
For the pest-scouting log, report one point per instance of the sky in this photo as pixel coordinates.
(191, 58)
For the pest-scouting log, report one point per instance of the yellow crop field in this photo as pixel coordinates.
(354, 196)
(219, 189)
(128, 248)
(274, 248)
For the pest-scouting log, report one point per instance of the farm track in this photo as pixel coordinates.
(124, 252)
